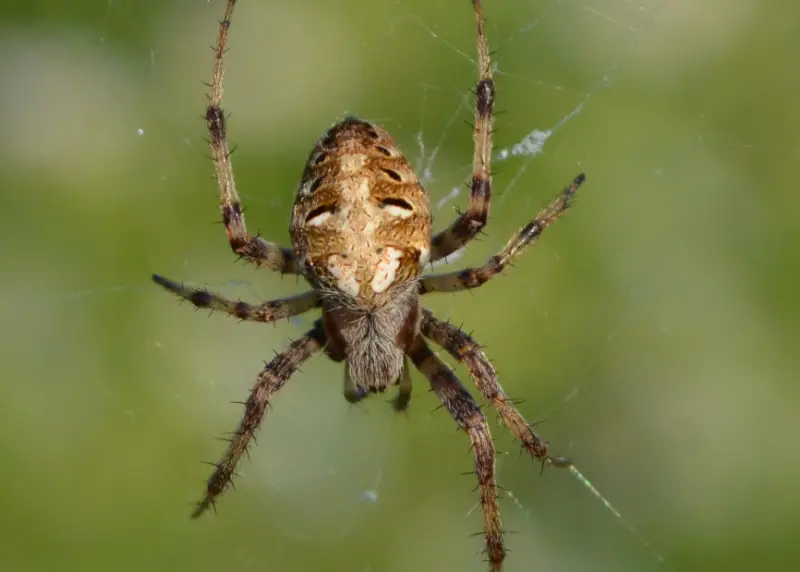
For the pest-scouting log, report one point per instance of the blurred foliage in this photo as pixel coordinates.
(655, 327)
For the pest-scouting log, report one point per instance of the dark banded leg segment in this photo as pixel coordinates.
(251, 248)
(266, 312)
(471, 420)
(470, 223)
(463, 348)
(474, 277)
(269, 381)
(403, 397)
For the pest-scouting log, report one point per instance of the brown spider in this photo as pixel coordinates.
(361, 236)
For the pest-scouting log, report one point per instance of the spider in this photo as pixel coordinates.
(361, 236)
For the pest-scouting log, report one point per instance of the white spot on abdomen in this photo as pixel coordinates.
(424, 257)
(386, 271)
(349, 164)
(344, 273)
(394, 210)
(320, 218)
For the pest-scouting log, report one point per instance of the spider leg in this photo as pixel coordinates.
(400, 403)
(470, 418)
(266, 312)
(462, 347)
(470, 223)
(270, 380)
(474, 277)
(352, 392)
(252, 248)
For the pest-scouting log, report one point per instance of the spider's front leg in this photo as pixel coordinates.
(469, 417)
(252, 248)
(470, 223)
(474, 277)
(462, 347)
(271, 379)
(265, 312)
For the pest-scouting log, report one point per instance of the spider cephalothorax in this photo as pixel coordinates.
(361, 237)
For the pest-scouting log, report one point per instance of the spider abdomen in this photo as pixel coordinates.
(361, 222)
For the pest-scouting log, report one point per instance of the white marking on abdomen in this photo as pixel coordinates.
(386, 271)
(394, 210)
(424, 257)
(320, 218)
(351, 163)
(345, 275)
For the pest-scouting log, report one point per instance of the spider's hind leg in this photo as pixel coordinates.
(274, 375)
(353, 392)
(469, 417)
(401, 401)
(463, 348)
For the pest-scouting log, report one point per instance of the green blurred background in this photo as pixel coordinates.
(653, 328)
